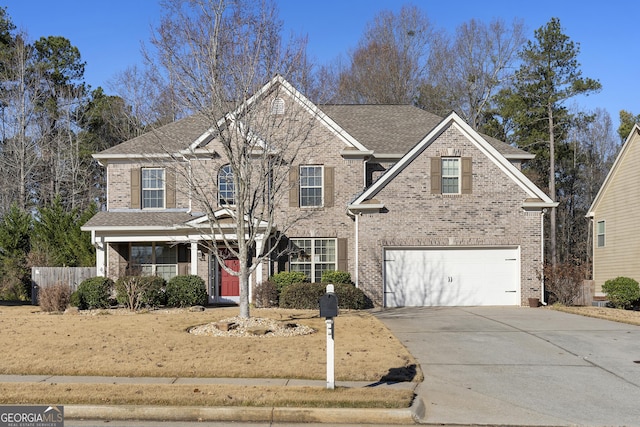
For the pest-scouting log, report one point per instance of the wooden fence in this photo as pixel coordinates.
(41, 277)
(586, 293)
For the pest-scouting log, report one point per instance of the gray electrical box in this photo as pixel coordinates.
(329, 305)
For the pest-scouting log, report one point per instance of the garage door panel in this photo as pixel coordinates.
(452, 277)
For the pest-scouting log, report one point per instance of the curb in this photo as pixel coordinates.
(410, 415)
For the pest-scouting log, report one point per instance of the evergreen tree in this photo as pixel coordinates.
(533, 108)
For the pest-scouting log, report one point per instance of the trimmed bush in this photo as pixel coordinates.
(622, 292)
(135, 292)
(74, 299)
(286, 278)
(307, 295)
(302, 295)
(186, 291)
(350, 297)
(94, 293)
(266, 295)
(54, 298)
(336, 277)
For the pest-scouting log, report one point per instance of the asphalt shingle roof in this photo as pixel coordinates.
(169, 138)
(394, 129)
(158, 219)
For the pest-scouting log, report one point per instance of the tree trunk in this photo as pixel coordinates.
(552, 189)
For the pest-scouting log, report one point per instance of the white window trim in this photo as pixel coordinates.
(313, 263)
(154, 264)
(232, 184)
(458, 175)
(321, 204)
(603, 234)
(143, 188)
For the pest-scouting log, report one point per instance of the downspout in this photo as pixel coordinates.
(542, 301)
(356, 250)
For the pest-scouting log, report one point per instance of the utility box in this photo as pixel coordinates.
(329, 305)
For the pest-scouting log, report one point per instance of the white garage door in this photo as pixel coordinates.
(451, 277)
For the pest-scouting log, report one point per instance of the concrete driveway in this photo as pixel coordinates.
(521, 366)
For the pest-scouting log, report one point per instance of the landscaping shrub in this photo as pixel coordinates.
(185, 291)
(135, 292)
(266, 295)
(307, 295)
(302, 295)
(286, 278)
(350, 297)
(95, 292)
(335, 277)
(622, 292)
(564, 282)
(54, 298)
(74, 299)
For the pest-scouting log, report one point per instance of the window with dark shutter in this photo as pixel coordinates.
(294, 187)
(135, 188)
(329, 186)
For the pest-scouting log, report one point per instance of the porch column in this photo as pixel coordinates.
(101, 259)
(258, 271)
(194, 258)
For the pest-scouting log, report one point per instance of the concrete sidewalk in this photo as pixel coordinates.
(410, 415)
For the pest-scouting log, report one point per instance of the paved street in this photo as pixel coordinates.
(522, 366)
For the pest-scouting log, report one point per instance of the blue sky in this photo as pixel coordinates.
(109, 32)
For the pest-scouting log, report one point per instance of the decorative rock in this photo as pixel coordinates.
(196, 308)
(226, 326)
(258, 330)
(72, 310)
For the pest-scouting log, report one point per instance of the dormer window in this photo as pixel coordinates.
(277, 107)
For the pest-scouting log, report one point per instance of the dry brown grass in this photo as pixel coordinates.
(202, 395)
(617, 315)
(157, 344)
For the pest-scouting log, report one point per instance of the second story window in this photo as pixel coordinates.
(450, 175)
(311, 186)
(226, 187)
(600, 234)
(153, 188)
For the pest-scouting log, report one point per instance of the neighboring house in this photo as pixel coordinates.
(421, 210)
(616, 230)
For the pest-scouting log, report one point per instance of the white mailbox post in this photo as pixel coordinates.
(329, 310)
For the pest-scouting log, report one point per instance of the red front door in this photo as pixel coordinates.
(229, 284)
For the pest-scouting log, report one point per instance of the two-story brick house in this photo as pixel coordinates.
(420, 210)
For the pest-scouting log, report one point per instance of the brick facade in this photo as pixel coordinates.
(492, 215)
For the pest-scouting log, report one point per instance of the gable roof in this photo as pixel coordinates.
(626, 147)
(386, 131)
(169, 138)
(537, 198)
(392, 130)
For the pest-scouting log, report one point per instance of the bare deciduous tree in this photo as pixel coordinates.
(389, 64)
(465, 72)
(216, 56)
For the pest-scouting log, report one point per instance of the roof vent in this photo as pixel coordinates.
(277, 106)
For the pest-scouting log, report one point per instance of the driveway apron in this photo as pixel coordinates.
(521, 366)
